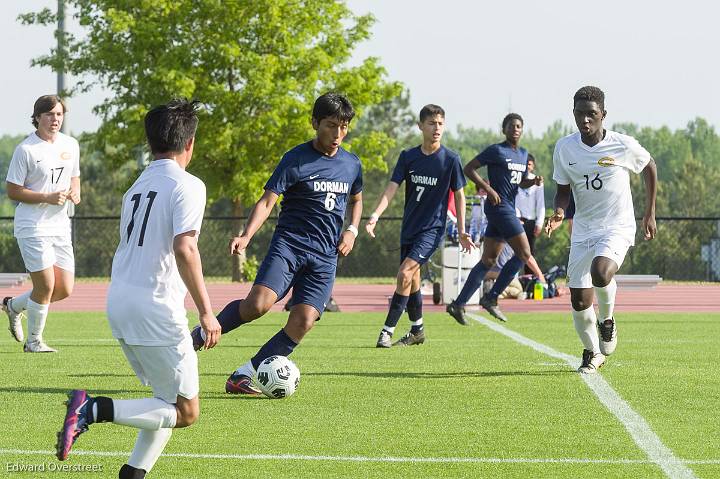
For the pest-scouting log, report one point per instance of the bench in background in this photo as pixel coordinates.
(637, 281)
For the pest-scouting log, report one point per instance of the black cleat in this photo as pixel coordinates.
(457, 312)
(491, 306)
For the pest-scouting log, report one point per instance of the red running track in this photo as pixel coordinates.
(358, 297)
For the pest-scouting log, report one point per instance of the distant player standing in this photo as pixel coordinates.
(507, 170)
(430, 171)
(44, 174)
(318, 181)
(156, 263)
(595, 164)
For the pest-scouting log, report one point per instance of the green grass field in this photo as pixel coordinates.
(470, 402)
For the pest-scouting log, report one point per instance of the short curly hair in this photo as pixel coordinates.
(590, 93)
(510, 117)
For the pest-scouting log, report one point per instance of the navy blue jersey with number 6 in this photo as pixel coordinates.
(428, 180)
(506, 169)
(315, 190)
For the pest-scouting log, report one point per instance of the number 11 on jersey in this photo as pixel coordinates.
(136, 204)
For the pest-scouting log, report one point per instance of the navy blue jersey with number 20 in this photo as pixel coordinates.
(428, 180)
(315, 190)
(506, 169)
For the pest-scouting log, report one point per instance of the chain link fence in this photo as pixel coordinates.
(685, 248)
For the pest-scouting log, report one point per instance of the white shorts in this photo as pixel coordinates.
(42, 252)
(582, 253)
(171, 371)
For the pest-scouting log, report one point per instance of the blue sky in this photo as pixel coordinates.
(656, 60)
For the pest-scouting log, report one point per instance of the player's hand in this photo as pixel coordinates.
(74, 196)
(347, 241)
(58, 197)
(649, 227)
(538, 180)
(466, 242)
(370, 226)
(238, 244)
(554, 222)
(212, 329)
(493, 197)
(537, 231)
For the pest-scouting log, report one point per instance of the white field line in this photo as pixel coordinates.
(635, 424)
(381, 459)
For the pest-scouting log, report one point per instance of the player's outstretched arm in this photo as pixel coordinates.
(470, 170)
(465, 239)
(382, 205)
(347, 239)
(189, 265)
(25, 195)
(258, 215)
(535, 268)
(562, 200)
(648, 223)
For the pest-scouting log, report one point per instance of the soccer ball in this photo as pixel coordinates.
(277, 377)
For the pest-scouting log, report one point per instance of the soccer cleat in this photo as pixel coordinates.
(15, 320)
(384, 340)
(608, 336)
(591, 362)
(411, 338)
(197, 340)
(37, 347)
(239, 383)
(491, 306)
(457, 312)
(77, 421)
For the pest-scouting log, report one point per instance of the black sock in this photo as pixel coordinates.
(105, 409)
(281, 345)
(414, 309)
(397, 306)
(229, 318)
(129, 472)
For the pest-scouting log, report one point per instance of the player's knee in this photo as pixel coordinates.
(405, 277)
(253, 308)
(187, 414)
(61, 292)
(579, 304)
(489, 262)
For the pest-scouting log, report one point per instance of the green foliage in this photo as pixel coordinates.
(258, 67)
(7, 147)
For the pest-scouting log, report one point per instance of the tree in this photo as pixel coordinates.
(256, 65)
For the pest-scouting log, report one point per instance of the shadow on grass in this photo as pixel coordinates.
(439, 375)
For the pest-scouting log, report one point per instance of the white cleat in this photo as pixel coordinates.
(608, 336)
(591, 362)
(15, 320)
(38, 347)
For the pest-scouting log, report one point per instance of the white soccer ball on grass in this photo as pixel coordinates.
(277, 377)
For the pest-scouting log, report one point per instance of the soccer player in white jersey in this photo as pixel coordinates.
(44, 174)
(595, 164)
(155, 264)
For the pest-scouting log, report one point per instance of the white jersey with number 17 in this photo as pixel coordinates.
(146, 299)
(600, 180)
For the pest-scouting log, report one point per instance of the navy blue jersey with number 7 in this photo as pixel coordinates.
(315, 190)
(428, 180)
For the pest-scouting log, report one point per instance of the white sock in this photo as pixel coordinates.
(606, 299)
(247, 369)
(148, 447)
(586, 327)
(389, 329)
(419, 322)
(36, 317)
(147, 413)
(19, 303)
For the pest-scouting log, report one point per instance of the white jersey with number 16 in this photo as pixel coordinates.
(600, 180)
(147, 295)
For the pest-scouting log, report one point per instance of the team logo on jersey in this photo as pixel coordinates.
(331, 186)
(65, 155)
(606, 161)
(516, 167)
(424, 180)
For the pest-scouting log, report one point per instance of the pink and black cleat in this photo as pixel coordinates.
(77, 420)
(239, 383)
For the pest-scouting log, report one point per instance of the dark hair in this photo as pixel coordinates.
(169, 127)
(510, 117)
(431, 110)
(531, 158)
(590, 93)
(333, 105)
(43, 105)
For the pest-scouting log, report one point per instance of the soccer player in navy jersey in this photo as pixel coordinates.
(318, 181)
(507, 170)
(430, 171)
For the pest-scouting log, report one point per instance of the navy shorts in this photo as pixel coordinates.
(310, 276)
(422, 246)
(503, 225)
